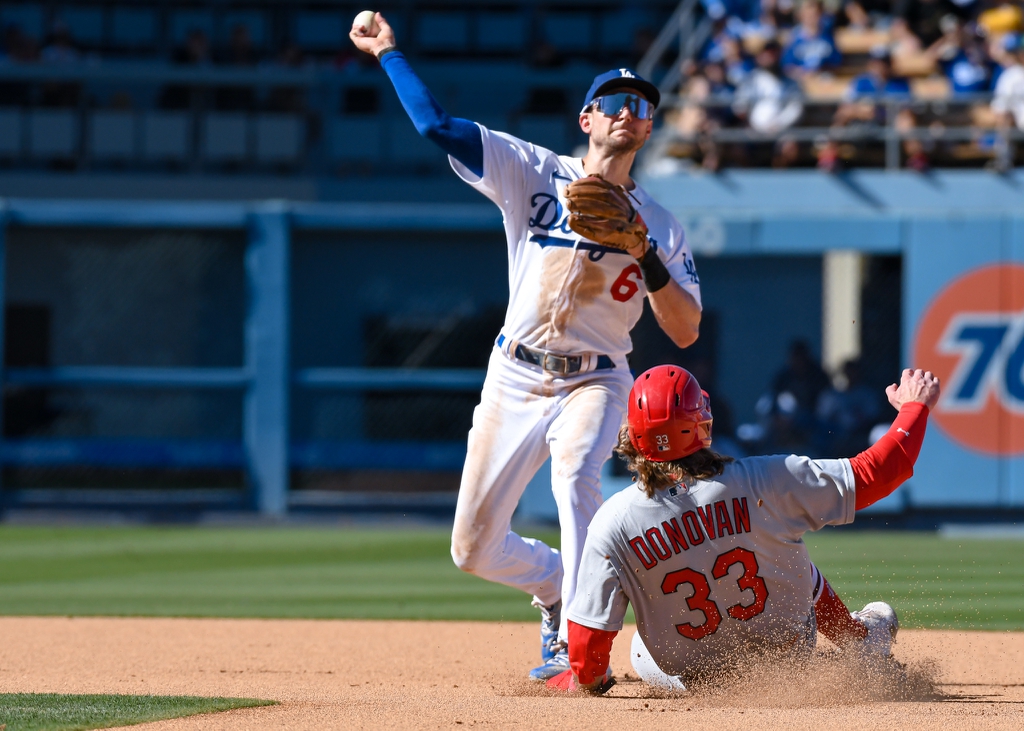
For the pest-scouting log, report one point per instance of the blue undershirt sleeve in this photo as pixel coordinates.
(460, 138)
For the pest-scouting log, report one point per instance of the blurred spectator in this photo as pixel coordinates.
(865, 14)
(768, 101)
(241, 54)
(60, 49)
(60, 46)
(288, 98)
(847, 411)
(788, 410)
(855, 16)
(743, 10)
(195, 52)
(861, 104)
(924, 17)
(735, 63)
(828, 155)
(1008, 98)
(783, 13)
(696, 119)
(1001, 17)
(812, 48)
(903, 44)
(965, 61)
(786, 154)
(915, 150)
(17, 48)
(721, 34)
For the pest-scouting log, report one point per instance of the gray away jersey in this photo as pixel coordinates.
(716, 570)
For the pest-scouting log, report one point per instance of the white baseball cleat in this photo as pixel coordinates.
(882, 625)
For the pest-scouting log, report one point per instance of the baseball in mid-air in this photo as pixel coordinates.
(368, 20)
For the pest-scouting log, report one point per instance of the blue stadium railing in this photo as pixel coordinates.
(266, 377)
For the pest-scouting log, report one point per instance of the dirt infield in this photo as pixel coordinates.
(349, 674)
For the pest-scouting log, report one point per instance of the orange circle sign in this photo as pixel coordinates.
(972, 337)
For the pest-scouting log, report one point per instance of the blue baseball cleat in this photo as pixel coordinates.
(550, 619)
(559, 663)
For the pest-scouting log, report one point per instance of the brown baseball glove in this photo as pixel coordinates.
(603, 212)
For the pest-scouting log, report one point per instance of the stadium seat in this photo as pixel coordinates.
(27, 16)
(53, 133)
(225, 136)
(547, 131)
(497, 32)
(12, 125)
(167, 136)
(356, 139)
(440, 31)
(254, 20)
(406, 146)
(856, 41)
(320, 30)
(568, 31)
(931, 88)
(86, 24)
(112, 135)
(183, 22)
(619, 28)
(279, 137)
(133, 28)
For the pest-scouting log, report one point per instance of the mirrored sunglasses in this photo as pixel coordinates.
(612, 104)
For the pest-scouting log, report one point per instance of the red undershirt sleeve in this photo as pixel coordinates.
(889, 462)
(589, 652)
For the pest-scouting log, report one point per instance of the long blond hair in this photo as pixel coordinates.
(654, 476)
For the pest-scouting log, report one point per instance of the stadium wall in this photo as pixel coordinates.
(261, 337)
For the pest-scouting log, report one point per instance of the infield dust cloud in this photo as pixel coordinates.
(829, 679)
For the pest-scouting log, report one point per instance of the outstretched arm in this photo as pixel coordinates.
(460, 138)
(889, 462)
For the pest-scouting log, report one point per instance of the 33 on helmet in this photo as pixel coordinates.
(669, 416)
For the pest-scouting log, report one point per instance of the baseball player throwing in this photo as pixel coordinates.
(709, 551)
(585, 246)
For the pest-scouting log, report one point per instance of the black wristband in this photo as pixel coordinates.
(653, 270)
(385, 52)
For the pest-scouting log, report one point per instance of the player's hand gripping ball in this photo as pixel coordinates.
(603, 212)
(368, 20)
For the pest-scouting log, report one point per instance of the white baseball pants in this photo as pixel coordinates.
(524, 415)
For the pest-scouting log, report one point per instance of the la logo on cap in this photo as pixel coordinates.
(626, 74)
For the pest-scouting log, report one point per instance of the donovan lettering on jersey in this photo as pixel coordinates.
(712, 521)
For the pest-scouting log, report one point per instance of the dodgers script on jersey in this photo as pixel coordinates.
(568, 294)
(717, 570)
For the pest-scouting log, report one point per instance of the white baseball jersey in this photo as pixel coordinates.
(717, 570)
(568, 294)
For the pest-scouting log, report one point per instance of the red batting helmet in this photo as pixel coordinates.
(669, 415)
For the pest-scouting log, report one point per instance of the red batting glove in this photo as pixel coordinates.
(566, 681)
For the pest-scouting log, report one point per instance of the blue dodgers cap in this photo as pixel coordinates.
(622, 79)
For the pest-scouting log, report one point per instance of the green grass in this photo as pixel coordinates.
(236, 572)
(392, 573)
(931, 581)
(53, 712)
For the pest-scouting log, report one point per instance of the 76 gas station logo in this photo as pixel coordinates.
(990, 348)
(971, 335)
